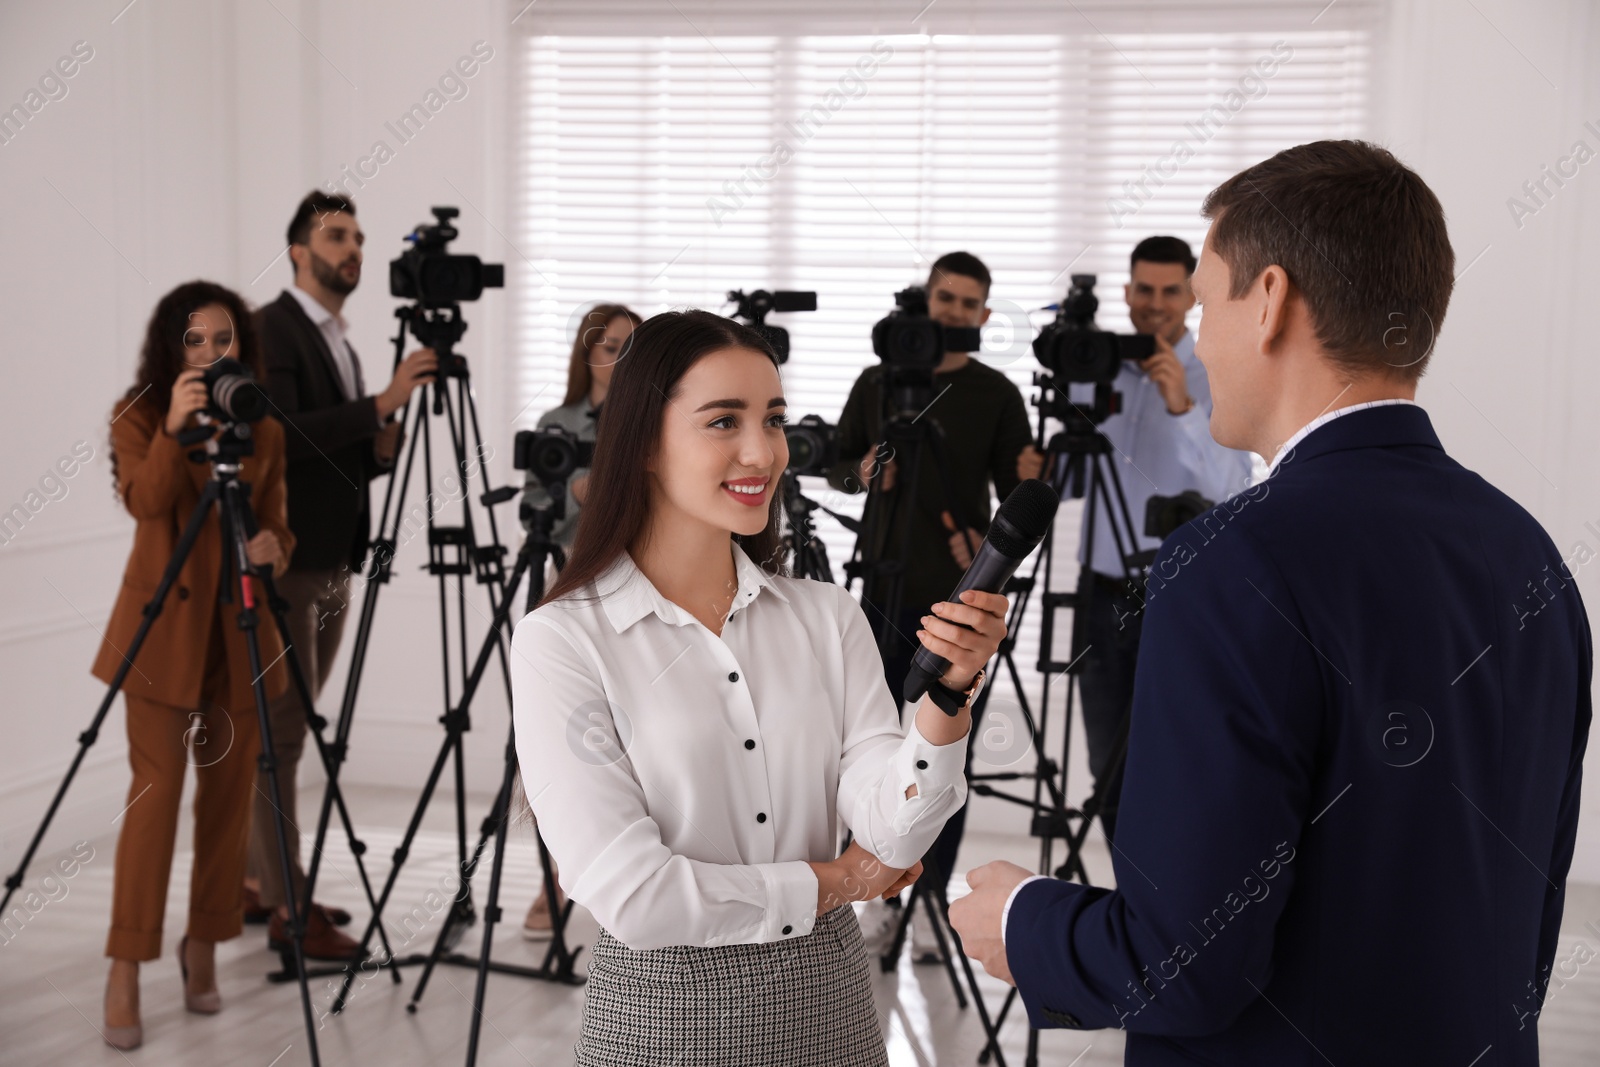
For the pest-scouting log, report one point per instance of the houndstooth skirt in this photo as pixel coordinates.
(801, 1001)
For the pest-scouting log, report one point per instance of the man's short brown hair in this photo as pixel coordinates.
(1362, 238)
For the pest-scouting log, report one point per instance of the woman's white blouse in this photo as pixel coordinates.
(681, 780)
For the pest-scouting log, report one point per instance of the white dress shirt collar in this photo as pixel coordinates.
(315, 311)
(628, 595)
(1324, 419)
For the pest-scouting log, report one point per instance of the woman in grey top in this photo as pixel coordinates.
(600, 341)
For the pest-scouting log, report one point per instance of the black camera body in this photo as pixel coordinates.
(434, 277)
(755, 308)
(233, 393)
(813, 446)
(908, 338)
(1073, 350)
(551, 454)
(1164, 514)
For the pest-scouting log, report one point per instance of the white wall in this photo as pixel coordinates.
(184, 142)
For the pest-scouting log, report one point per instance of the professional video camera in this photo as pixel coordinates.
(433, 277)
(1073, 350)
(234, 395)
(755, 308)
(908, 338)
(813, 446)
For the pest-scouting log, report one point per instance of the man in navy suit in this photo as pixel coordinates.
(1361, 709)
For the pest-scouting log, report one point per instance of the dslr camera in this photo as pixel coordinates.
(551, 454)
(1073, 350)
(233, 393)
(813, 446)
(434, 277)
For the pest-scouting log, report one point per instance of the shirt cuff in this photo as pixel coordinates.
(1005, 912)
(791, 899)
(933, 769)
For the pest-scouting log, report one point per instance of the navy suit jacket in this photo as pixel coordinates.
(1351, 793)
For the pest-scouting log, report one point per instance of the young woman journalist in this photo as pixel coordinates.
(189, 693)
(692, 725)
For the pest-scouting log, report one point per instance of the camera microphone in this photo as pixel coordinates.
(1017, 529)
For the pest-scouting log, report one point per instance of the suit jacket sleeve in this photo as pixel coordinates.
(1227, 707)
(307, 433)
(1566, 835)
(152, 467)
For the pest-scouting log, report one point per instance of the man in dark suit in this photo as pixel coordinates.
(338, 438)
(1361, 708)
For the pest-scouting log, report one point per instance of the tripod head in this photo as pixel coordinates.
(226, 445)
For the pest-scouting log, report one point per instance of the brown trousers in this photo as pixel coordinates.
(221, 744)
(319, 602)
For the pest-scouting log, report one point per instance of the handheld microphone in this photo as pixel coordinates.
(1018, 527)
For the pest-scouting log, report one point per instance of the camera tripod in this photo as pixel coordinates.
(231, 498)
(1078, 461)
(453, 552)
(558, 962)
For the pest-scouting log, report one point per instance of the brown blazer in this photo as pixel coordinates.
(160, 486)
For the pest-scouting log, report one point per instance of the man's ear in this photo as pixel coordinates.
(1273, 292)
(987, 311)
(296, 257)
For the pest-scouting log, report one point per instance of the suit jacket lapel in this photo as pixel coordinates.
(313, 336)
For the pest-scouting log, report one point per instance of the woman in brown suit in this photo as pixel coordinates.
(189, 694)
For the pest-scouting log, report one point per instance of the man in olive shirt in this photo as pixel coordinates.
(984, 427)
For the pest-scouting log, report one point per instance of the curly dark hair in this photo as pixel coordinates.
(161, 359)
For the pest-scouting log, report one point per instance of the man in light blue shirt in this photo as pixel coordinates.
(1161, 445)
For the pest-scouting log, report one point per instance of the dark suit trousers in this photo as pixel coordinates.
(221, 743)
(318, 604)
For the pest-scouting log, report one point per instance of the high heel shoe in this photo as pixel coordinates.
(125, 1038)
(199, 1003)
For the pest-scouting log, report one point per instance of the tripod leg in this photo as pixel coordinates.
(236, 521)
(152, 610)
(990, 1029)
(501, 818)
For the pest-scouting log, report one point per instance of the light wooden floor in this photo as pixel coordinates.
(52, 977)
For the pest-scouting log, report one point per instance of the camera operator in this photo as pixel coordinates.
(193, 681)
(601, 338)
(1163, 441)
(338, 439)
(600, 342)
(985, 426)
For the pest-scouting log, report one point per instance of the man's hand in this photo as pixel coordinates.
(412, 372)
(1030, 463)
(264, 549)
(870, 466)
(386, 444)
(962, 545)
(976, 916)
(1166, 370)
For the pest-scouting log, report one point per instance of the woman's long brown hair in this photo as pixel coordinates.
(616, 508)
(161, 359)
(591, 328)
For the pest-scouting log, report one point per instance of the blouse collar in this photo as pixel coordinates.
(628, 595)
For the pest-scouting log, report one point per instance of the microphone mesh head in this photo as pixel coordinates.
(1024, 518)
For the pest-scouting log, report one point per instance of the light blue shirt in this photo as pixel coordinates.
(1157, 453)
